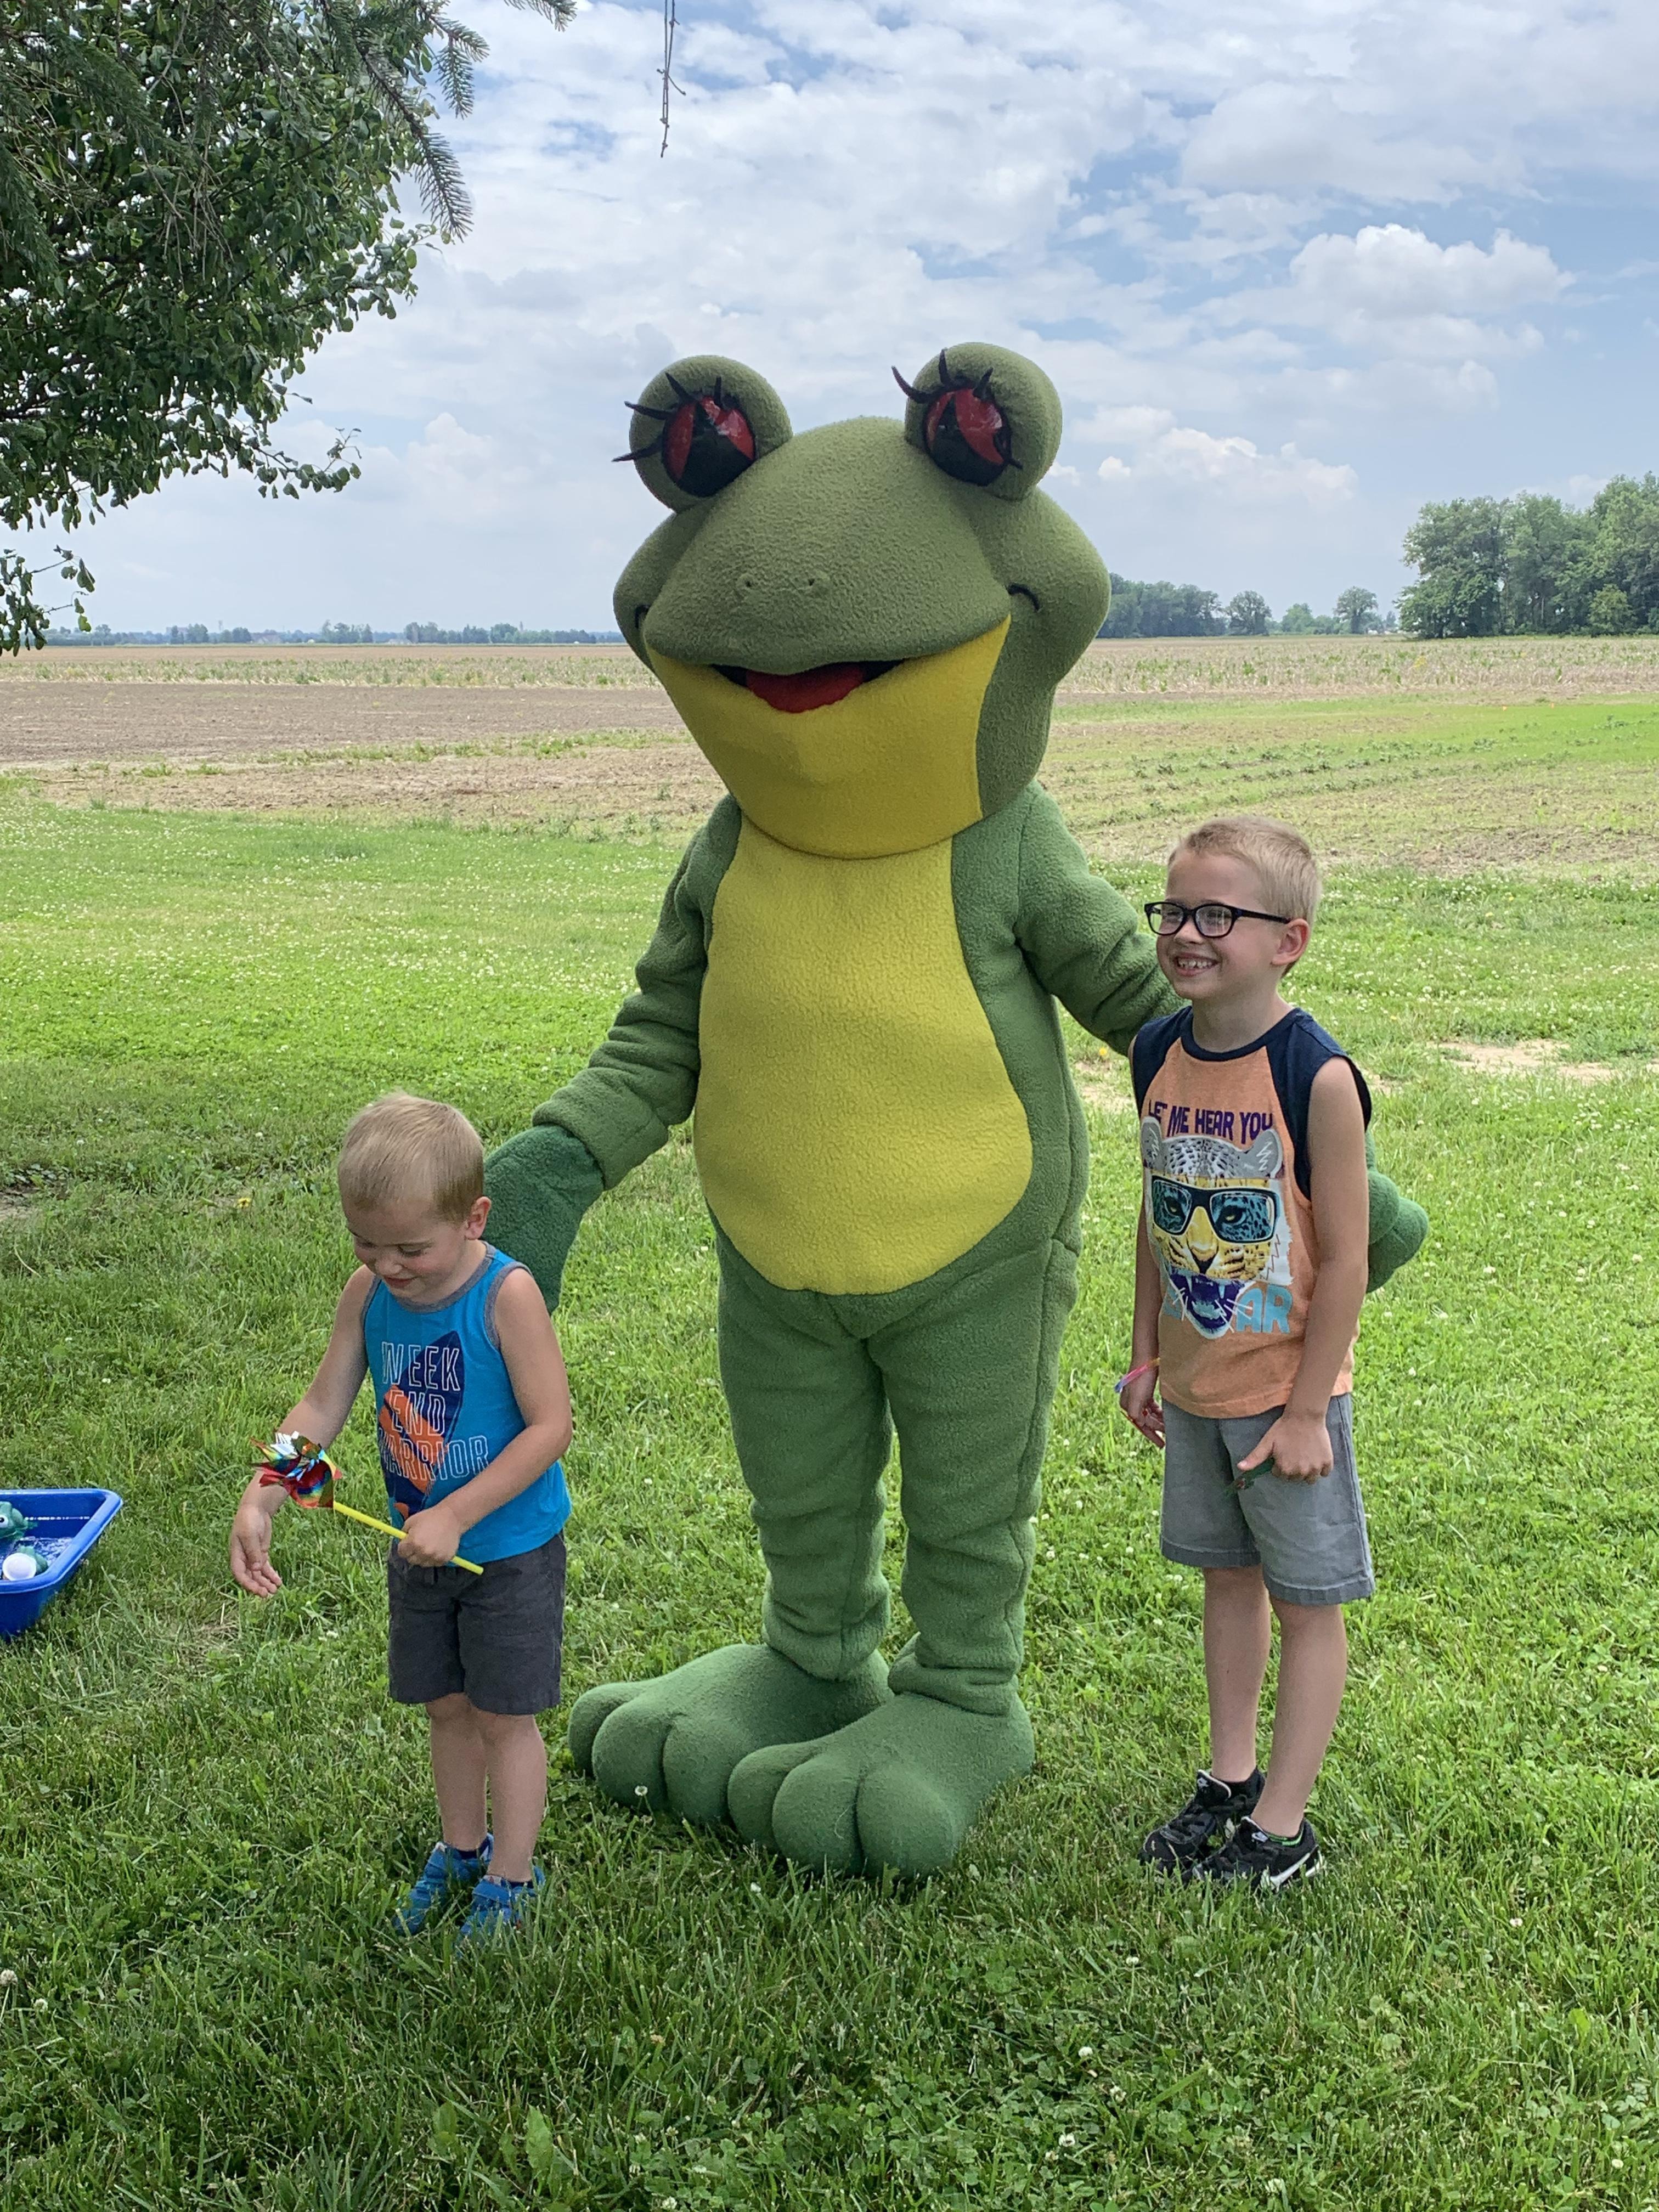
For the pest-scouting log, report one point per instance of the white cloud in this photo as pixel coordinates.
(1293, 137)
(1389, 289)
(1233, 469)
(1387, 272)
(1399, 390)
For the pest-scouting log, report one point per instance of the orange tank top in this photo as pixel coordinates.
(1229, 1218)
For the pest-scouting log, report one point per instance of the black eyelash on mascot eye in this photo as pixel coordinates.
(665, 415)
(705, 441)
(964, 430)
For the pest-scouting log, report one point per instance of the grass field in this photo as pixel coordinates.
(210, 1804)
(1282, 667)
(1520, 755)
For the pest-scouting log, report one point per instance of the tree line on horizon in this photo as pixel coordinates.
(1165, 610)
(1533, 566)
(333, 633)
(1138, 609)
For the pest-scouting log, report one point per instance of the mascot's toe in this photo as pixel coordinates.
(897, 1790)
(589, 1715)
(670, 1746)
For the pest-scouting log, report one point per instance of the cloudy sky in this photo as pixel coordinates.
(1295, 266)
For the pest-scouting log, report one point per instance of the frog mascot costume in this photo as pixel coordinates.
(853, 983)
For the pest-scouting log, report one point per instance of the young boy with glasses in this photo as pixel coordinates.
(1249, 1270)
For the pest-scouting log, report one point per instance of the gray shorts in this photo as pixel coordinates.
(495, 1636)
(1307, 1538)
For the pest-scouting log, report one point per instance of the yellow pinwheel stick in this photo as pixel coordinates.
(369, 1522)
(309, 1474)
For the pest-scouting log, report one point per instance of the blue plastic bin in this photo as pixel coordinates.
(69, 1520)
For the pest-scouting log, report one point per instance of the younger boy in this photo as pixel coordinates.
(1249, 1271)
(474, 1419)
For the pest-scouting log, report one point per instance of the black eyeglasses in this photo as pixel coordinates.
(1241, 1215)
(1168, 916)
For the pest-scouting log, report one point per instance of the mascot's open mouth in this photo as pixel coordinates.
(810, 687)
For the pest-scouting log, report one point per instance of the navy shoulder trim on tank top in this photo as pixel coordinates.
(1297, 1049)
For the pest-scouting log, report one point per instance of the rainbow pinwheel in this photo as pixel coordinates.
(305, 1470)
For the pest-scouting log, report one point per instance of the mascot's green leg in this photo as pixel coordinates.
(809, 1417)
(970, 1373)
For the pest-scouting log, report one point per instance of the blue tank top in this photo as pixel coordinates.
(445, 1409)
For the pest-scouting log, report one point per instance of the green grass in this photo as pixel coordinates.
(210, 1803)
(1568, 787)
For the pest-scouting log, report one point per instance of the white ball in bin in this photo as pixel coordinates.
(19, 1567)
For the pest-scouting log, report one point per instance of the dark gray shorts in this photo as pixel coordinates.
(1307, 1538)
(495, 1637)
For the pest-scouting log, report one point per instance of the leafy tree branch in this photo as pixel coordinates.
(193, 195)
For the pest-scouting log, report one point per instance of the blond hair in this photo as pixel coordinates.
(402, 1147)
(1281, 857)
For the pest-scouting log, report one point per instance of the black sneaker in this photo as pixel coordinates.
(1266, 1861)
(1203, 1825)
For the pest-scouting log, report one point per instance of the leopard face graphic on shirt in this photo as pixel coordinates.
(1220, 1229)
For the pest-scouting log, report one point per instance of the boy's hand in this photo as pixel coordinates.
(1299, 1445)
(250, 1549)
(1138, 1399)
(431, 1538)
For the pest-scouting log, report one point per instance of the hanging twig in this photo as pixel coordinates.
(670, 25)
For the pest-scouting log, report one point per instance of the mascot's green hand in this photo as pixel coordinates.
(1398, 1228)
(539, 1184)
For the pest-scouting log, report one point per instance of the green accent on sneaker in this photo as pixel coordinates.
(1204, 1823)
(1263, 1861)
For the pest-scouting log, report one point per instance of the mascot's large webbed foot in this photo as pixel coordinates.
(671, 1745)
(898, 1789)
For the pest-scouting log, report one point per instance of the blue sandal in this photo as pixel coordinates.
(498, 1908)
(446, 1871)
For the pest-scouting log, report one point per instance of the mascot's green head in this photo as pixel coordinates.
(863, 626)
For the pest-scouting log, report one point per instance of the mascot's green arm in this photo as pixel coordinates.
(640, 1082)
(1084, 943)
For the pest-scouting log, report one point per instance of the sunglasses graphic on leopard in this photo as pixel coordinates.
(1237, 1216)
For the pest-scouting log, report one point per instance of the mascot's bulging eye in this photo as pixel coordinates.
(965, 432)
(705, 441)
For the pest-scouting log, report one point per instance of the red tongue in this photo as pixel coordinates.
(813, 687)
